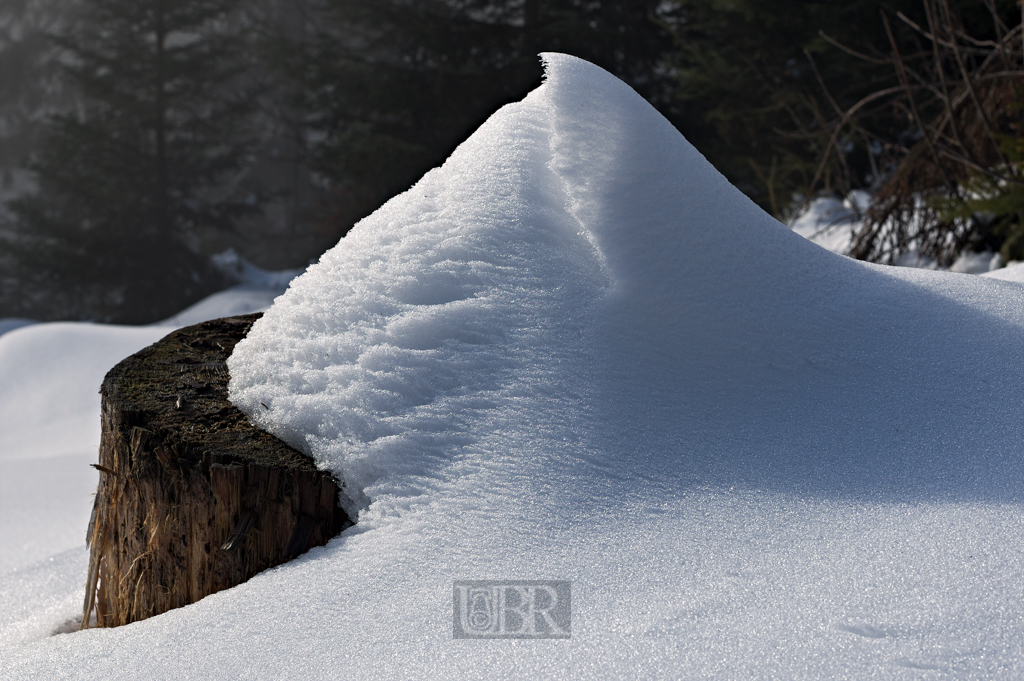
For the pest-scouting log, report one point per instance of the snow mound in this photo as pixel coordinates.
(416, 335)
(577, 276)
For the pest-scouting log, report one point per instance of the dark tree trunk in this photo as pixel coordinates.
(192, 498)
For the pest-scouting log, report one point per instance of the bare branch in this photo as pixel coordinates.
(1000, 74)
(942, 78)
(959, 158)
(901, 72)
(999, 25)
(931, 36)
(839, 126)
(970, 87)
(821, 82)
(854, 53)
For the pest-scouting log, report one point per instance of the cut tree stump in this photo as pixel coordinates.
(192, 498)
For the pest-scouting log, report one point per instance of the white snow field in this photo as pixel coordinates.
(576, 352)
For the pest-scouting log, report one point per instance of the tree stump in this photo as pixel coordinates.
(192, 498)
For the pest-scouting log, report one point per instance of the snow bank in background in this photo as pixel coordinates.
(50, 376)
(1012, 272)
(977, 263)
(52, 372)
(255, 292)
(246, 274)
(576, 352)
(241, 299)
(829, 222)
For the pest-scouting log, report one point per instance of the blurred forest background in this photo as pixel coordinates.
(138, 138)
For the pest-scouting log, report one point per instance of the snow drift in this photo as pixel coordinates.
(576, 352)
(577, 280)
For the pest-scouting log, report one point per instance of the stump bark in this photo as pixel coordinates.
(192, 498)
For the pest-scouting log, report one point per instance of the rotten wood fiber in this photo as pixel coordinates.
(192, 498)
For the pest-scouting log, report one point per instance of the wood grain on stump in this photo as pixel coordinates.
(192, 498)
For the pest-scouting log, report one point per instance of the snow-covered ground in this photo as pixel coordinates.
(576, 352)
(831, 223)
(49, 433)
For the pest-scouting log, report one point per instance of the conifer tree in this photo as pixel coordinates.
(129, 181)
(391, 87)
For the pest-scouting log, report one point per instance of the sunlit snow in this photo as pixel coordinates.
(576, 352)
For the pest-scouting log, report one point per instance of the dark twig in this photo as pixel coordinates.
(942, 77)
(996, 21)
(821, 82)
(851, 52)
(901, 72)
(970, 87)
(980, 168)
(931, 36)
(839, 126)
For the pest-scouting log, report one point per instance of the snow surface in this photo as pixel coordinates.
(1012, 272)
(576, 352)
